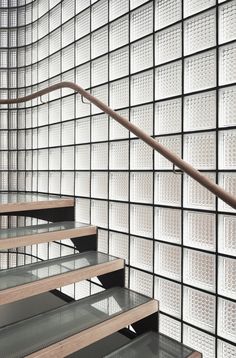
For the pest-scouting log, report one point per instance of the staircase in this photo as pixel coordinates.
(75, 325)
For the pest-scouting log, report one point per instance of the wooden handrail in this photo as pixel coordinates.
(172, 157)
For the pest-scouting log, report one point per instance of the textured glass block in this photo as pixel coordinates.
(168, 225)
(196, 196)
(199, 340)
(168, 116)
(141, 187)
(167, 12)
(228, 182)
(141, 253)
(119, 63)
(200, 71)
(142, 54)
(227, 319)
(82, 24)
(142, 88)
(167, 189)
(170, 327)
(227, 22)
(3, 140)
(142, 116)
(99, 70)
(102, 241)
(82, 130)
(54, 135)
(68, 133)
(82, 184)
(118, 8)
(81, 5)
(119, 94)
(67, 158)
(141, 22)
(42, 181)
(226, 277)
(83, 50)
(227, 229)
(54, 65)
(141, 220)
(68, 10)
(119, 33)
(173, 143)
(168, 44)
(99, 14)
(68, 108)
(82, 157)
(227, 149)
(226, 350)
(118, 186)
(99, 128)
(83, 75)
(99, 159)
(68, 58)
(119, 245)
(99, 42)
(227, 106)
(54, 182)
(82, 210)
(168, 79)
(199, 309)
(199, 230)
(140, 155)
(194, 6)
(141, 282)
(118, 216)
(227, 64)
(168, 261)
(68, 34)
(99, 185)
(119, 155)
(168, 293)
(200, 32)
(99, 213)
(101, 93)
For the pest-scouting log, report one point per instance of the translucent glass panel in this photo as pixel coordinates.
(119, 33)
(168, 116)
(141, 21)
(168, 44)
(199, 340)
(227, 64)
(141, 187)
(142, 88)
(142, 54)
(227, 149)
(141, 253)
(227, 22)
(227, 106)
(119, 63)
(168, 80)
(169, 295)
(141, 220)
(167, 189)
(226, 319)
(118, 186)
(118, 216)
(227, 227)
(168, 261)
(168, 225)
(167, 12)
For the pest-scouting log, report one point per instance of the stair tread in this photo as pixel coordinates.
(52, 332)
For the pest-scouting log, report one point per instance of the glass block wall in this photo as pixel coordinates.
(170, 67)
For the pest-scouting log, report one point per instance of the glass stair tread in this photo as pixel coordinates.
(154, 345)
(29, 280)
(74, 326)
(29, 235)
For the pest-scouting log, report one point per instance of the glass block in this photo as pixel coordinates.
(119, 245)
(119, 155)
(140, 155)
(119, 33)
(141, 187)
(102, 241)
(119, 63)
(42, 182)
(118, 186)
(142, 116)
(55, 182)
(167, 12)
(168, 44)
(196, 196)
(200, 32)
(168, 293)
(141, 21)
(141, 220)
(4, 161)
(194, 6)
(83, 75)
(82, 157)
(99, 128)
(68, 108)
(68, 133)
(227, 64)
(99, 213)
(99, 185)
(116, 9)
(99, 69)
(82, 24)
(142, 54)
(200, 71)
(119, 93)
(227, 319)
(170, 327)
(199, 340)
(42, 137)
(141, 282)
(227, 149)
(142, 88)
(68, 31)
(68, 10)
(99, 14)
(54, 65)
(55, 111)
(118, 216)
(226, 277)
(199, 309)
(82, 210)
(168, 261)
(83, 50)
(101, 93)
(99, 42)
(68, 58)
(228, 182)
(173, 143)
(81, 5)
(168, 189)
(168, 225)
(227, 106)
(141, 253)
(82, 130)
(99, 156)
(226, 350)
(226, 234)
(67, 158)
(168, 116)
(227, 22)
(168, 79)
(82, 184)
(54, 135)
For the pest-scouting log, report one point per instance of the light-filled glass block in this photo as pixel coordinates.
(167, 189)
(118, 186)
(82, 210)
(141, 253)
(67, 158)
(67, 183)
(168, 116)
(141, 187)
(141, 22)
(168, 293)
(142, 88)
(99, 14)
(102, 241)
(141, 220)
(82, 184)
(199, 340)
(226, 350)
(226, 277)
(68, 9)
(226, 234)
(199, 309)
(118, 8)
(99, 185)
(167, 12)
(140, 155)
(101, 93)
(119, 93)
(227, 149)
(82, 157)
(82, 24)
(200, 71)
(168, 79)
(119, 245)
(67, 133)
(99, 42)
(99, 70)
(173, 143)
(168, 261)
(194, 6)
(168, 44)
(119, 63)
(227, 106)
(141, 282)
(82, 130)
(227, 64)
(118, 216)
(142, 116)
(83, 50)
(170, 327)
(99, 156)
(227, 319)
(119, 33)
(99, 213)
(119, 155)
(227, 22)
(168, 225)
(142, 54)
(228, 182)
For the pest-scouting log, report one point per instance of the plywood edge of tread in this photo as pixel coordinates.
(36, 205)
(96, 333)
(31, 289)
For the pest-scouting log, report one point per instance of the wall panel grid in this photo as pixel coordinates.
(169, 66)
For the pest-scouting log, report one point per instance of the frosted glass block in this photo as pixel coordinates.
(194, 6)
(170, 327)
(226, 277)
(118, 186)
(226, 234)
(199, 230)
(54, 182)
(226, 350)
(54, 65)
(42, 159)
(168, 293)
(200, 341)
(42, 137)
(227, 106)
(167, 12)
(118, 216)
(168, 79)
(4, 161)
(67, 158)
(102, 241)
(99, 42)
(82, 157)
(141, 220)
(168, 225)
(68, 10)
(99, 185)
(142, 88)
(142, 54)
(68, 58)
(228, 182)
(196, 196)
(227, 149)
(227, 319)
(141, 21)
(83, 50)
(81, 5)
(82, 210)
(42, 181)
(168, 189)
(227, 64)
(68, 133)
(82, 184)
(99, 156)
(141, 282)
(119, 63)
(168, 261)
(67, 183)
(119, 33)
(101, 93)
(227, 22)
(54, 135)
(83, 75)
(3, 140)
(199, 309)
(141, 187)
(119, 245)
(173, 143)
(99, 128)
(68, 108)
(142, 116)
(140, 155)
(119, 93)
(4, 18)
(4, 181)
(119, 155)
(99, 70)
(168, 44)
(200, 32)
(54, 42)
(200, 71)
(82, 24)
(99, 14)
(82, 130)
(117, 8)
(168, 116)
(141, 253)
(99, 212)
